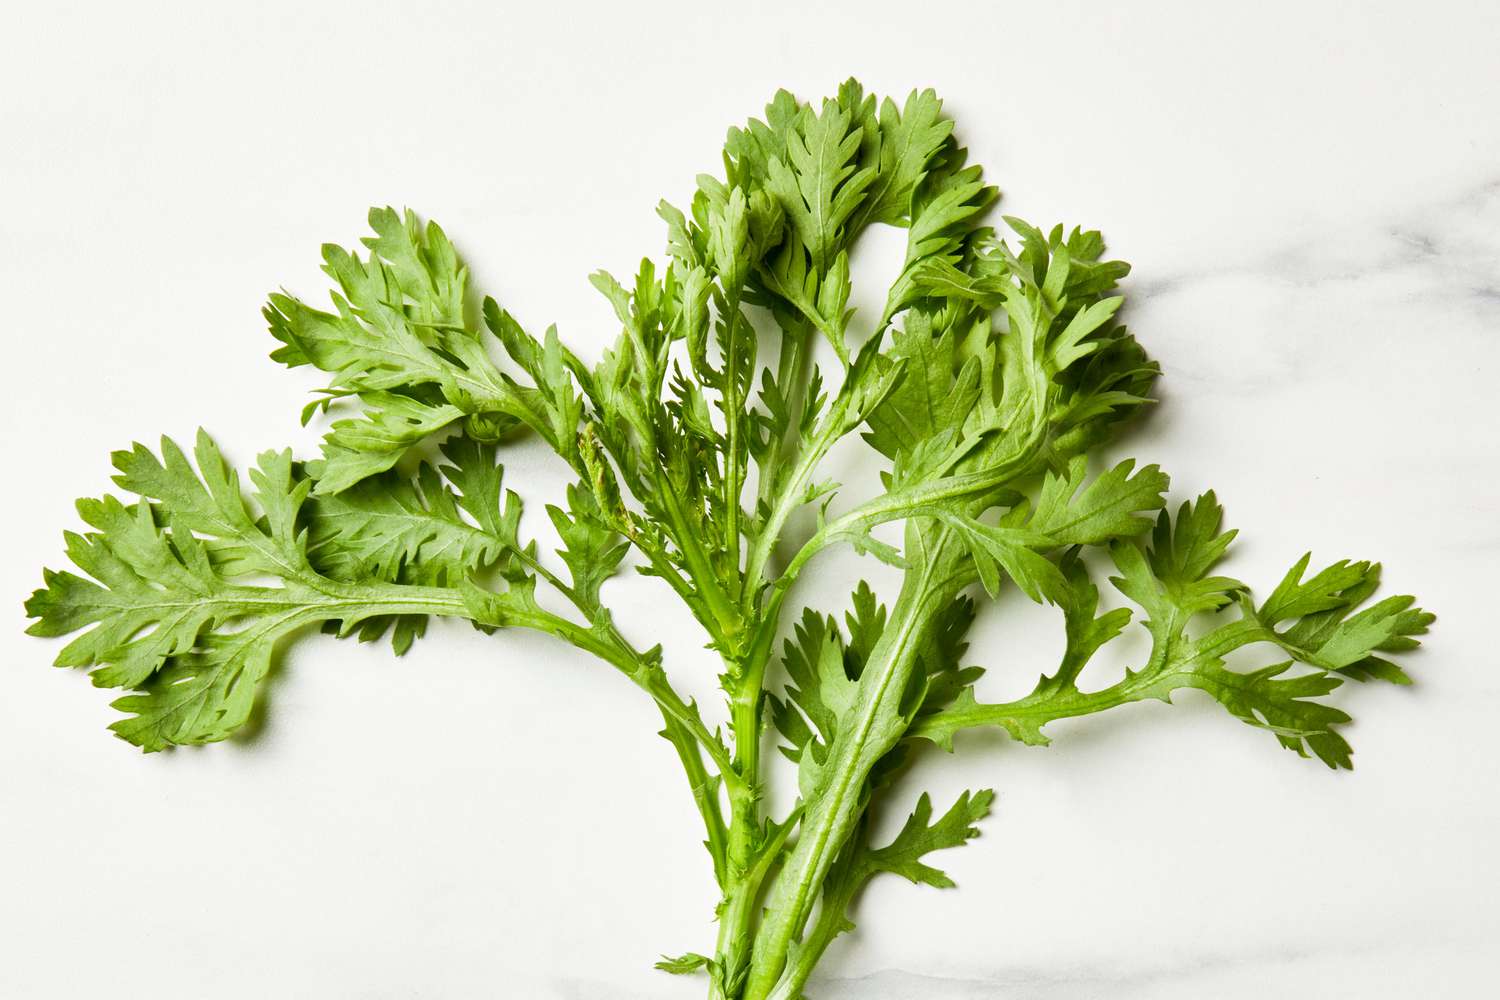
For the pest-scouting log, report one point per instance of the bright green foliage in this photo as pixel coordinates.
(174, 618)
(1317, 623)
(997, 369)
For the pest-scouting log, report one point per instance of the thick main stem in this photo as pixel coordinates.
(742, 887)
(875, 725)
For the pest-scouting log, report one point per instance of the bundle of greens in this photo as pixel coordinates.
(996, 367)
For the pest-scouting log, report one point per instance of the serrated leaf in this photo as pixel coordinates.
(683, 965)
(1333, 639)
(169, 617)
(1108, 507)
(360, 447)
(920, 837)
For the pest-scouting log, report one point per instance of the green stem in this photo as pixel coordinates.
(745, 823)
(875, 724)
(726, 616)
(792, 373)
(832, 920)
(705, 792)
(679, 734)
(790, 497)
(710, 604)
(734, 475)
(615, 649)
(741, 903)
(1171, 666)
(645, 673)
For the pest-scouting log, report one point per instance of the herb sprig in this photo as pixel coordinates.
(997, 368)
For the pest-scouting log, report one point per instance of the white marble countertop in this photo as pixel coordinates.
(1310, 194)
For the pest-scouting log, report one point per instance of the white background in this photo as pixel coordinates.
(1310, 194)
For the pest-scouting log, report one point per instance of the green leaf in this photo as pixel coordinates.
(946, 208)
(157, 591)
(938, 389)
(553, 408)
(169, 613)
(424, 263)
(818, 181)
(399, 341)
(361, 447)
(750, 150)
(865, 622)
(920, 837)
(909, 141)
(821, 691)
(1109, 507)
(205, 695)
(410, 529)
(592, 549)
(903, 856)
(1171, 578)
(942, 658)
(683, 965)
(1328, 632)
(999, 549)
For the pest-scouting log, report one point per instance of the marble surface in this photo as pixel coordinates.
(1310, 194)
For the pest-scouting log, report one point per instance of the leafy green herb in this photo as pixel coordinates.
(997, 368)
